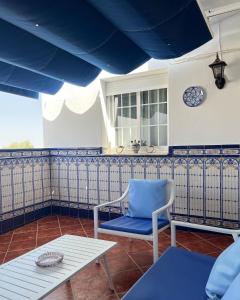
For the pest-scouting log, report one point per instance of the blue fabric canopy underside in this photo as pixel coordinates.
(73, 40)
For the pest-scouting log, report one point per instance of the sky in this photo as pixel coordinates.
(20, 119)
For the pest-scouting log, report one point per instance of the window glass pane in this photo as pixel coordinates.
(126, 136)
(153, 96)
(153, 136)
(153, 114)
(126, 121)
(123, 115)
(162, 135)
(144, 97)
(163, 113)
(133, 97)
(118, 121)
(134, 133)
(125, 99)
(119, 137)
(134, 112)
(145, 135)
(144, 115)
(163, 95)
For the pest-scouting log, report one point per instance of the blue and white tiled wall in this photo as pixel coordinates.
(72, 181)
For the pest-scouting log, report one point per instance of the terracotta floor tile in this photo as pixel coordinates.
(145, 268)
(46, 239)
(27, 228)
(221, 242)
(2, 255)
(48, 232)
(184, 236)
(73, 230)
(49, 225)
(64, 292)
(135, 245)
(23, 236)
(19, 245)
(89, 233)
(48, 219)
(5, 239)
(69, 221)
(143, 258)
(202, 247)
(215, 254)
(207, 235)
(13, 254)
(163, 245)
(88, 226)
(4, 247)
(86, 221)
(124, 280)
(116, 251)
(120, 263)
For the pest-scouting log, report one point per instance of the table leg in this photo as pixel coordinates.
(105, 264)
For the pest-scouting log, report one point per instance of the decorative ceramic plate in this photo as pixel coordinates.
(193, 96)
(49, 259)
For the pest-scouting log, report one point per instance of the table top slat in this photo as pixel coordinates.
(21, 279)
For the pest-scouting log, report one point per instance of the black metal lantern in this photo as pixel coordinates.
(218, 71)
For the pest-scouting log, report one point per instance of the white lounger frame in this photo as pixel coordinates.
(151, 237)
(234, 232)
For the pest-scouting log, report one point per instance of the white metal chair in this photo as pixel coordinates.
(153, 226)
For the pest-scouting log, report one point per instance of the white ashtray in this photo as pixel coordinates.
(49, 259)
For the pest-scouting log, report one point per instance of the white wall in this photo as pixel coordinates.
(216, 121)
(73, 118)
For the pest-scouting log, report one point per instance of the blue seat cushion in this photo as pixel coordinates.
(178, 275)
(133, 225)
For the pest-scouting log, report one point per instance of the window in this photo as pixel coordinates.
(139, 116)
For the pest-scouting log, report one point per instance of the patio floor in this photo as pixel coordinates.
(127, 262)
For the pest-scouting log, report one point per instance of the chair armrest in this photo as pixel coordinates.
(112, 202)
(96, 208)
(234, 232)
(157, 212)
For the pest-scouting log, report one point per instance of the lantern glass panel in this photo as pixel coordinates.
(217, 71)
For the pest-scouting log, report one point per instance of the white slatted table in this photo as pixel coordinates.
(21, 279)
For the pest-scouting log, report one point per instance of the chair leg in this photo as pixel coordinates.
(155, 250)
(96, 237)
(235, 236)
(173, 235)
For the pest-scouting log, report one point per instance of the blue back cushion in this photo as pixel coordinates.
(233, 292)
(145, 196)
(224, 271)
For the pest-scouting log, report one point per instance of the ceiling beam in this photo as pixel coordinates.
(234, 7)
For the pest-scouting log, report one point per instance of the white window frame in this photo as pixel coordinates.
(133, 83)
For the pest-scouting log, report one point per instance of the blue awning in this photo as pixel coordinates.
(20, 92)
(11, 75)
(73, 40)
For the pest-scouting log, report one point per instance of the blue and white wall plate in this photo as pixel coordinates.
(194, 96)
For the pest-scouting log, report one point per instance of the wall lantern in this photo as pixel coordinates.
(218, 71)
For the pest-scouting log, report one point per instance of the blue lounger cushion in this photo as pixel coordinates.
(146, 196)
(133, 225)
(224, 271)
(233, 292)
(177, 275)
